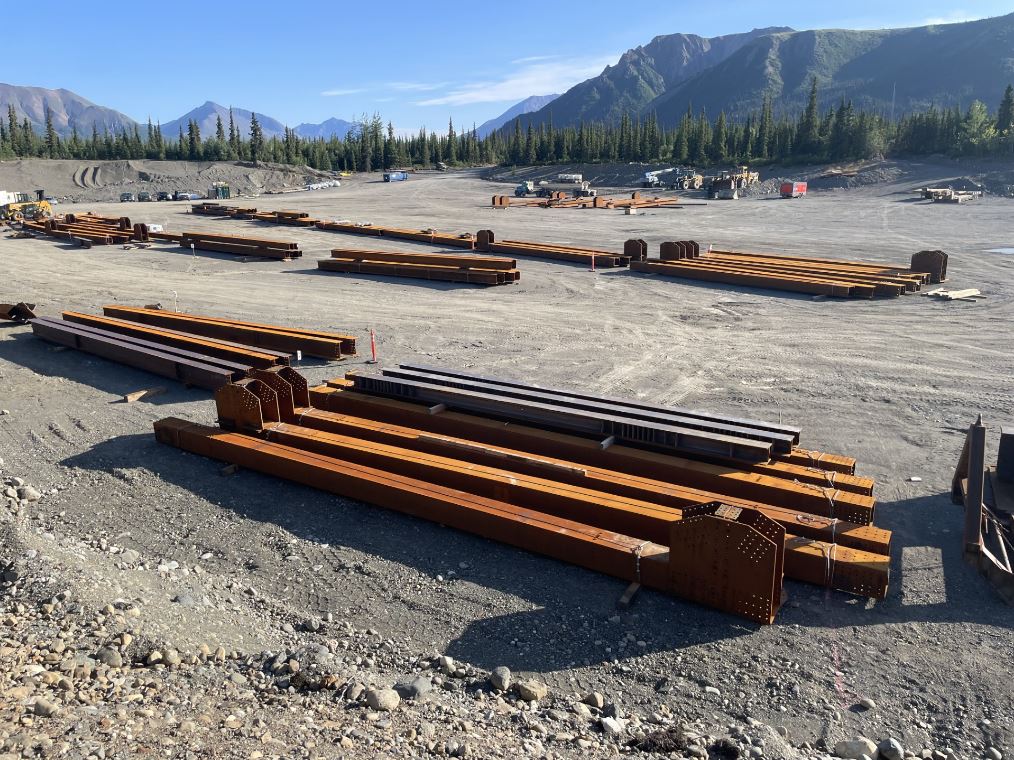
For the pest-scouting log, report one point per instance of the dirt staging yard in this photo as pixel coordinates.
(185, 557)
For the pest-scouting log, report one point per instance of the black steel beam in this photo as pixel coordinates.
(567, 419)
(780, 442)
(173, 366)
(690, 413)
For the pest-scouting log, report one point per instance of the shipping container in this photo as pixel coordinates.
(793, 189)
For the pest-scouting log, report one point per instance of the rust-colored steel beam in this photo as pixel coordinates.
(867, 538)
(867, 266)
(420, 271)
(722, 557)
(281, 245)
(552, 493)
(273, 337)
(682, 269)
(820, 460)
(827, 501)
(433, 259)
(198, 344)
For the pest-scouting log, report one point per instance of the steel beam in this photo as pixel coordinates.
(726, 558)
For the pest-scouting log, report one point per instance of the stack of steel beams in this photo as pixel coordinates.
(86, 229)
(209, 208)
(241, 245)
(695, 529)
(197, 369)
(486, 241)
(201, 351)
(565, 200)
(478, 270)
(291, 218)
(326, 345)
(463, 240)
(829, 277)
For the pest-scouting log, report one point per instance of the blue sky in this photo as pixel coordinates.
(416, 63)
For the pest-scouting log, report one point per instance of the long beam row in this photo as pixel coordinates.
(816, 276)
(326, 345)
(479, 270)
(360, 445)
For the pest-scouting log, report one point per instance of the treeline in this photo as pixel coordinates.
(840, 133)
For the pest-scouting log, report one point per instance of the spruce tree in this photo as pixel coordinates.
(256, 139)
(52, 140)
(1005, 116)
(451, 152)
(808, 137)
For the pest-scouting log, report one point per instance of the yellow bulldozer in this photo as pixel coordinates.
(16, 207)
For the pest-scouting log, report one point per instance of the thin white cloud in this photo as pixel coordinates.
(534, 59)
(415, 86)
(339, 93)
(532, 79)
(956, 16)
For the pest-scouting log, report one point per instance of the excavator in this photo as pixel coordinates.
(16, 207)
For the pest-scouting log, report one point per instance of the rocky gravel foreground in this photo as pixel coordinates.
(83, 678)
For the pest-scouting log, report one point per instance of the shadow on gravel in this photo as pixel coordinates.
(408, 281)
(571, 616)
(50, 360)
(569, 606)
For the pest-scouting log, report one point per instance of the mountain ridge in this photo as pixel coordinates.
(528, 105)
(892, 70)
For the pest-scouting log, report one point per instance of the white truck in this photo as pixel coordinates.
(575, 184)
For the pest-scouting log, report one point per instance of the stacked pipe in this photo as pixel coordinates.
(697, 529)
(818, 276)
(486, 241)
(477, 270)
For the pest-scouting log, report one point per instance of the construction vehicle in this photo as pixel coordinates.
(219, 191)
(574, 184)
(15, 207)
(546, 188)
(723, 189)
(682, 179)
(654, 179)
(727, 184)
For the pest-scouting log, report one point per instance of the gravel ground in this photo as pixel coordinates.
(144, 539)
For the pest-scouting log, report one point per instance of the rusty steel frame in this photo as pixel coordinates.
(728, 558)
(609, 499)
(827, 501)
